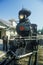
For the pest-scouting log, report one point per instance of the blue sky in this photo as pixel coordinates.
(10, 8)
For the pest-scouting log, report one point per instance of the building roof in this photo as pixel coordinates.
(2, 27)
(6, 23)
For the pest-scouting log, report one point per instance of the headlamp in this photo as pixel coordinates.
(21, 16)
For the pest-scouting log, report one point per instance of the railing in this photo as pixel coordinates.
(31, 37)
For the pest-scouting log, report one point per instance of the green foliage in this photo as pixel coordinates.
(40, 30)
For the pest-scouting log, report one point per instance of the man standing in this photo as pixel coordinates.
(5, 41)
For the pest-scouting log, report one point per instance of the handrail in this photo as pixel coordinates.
(25, 55)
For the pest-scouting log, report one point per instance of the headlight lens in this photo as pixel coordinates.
(21, 16)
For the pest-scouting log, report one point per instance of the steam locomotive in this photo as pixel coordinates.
(27, 34)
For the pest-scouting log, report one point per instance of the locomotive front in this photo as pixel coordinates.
(25, 30)
(24, 26)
